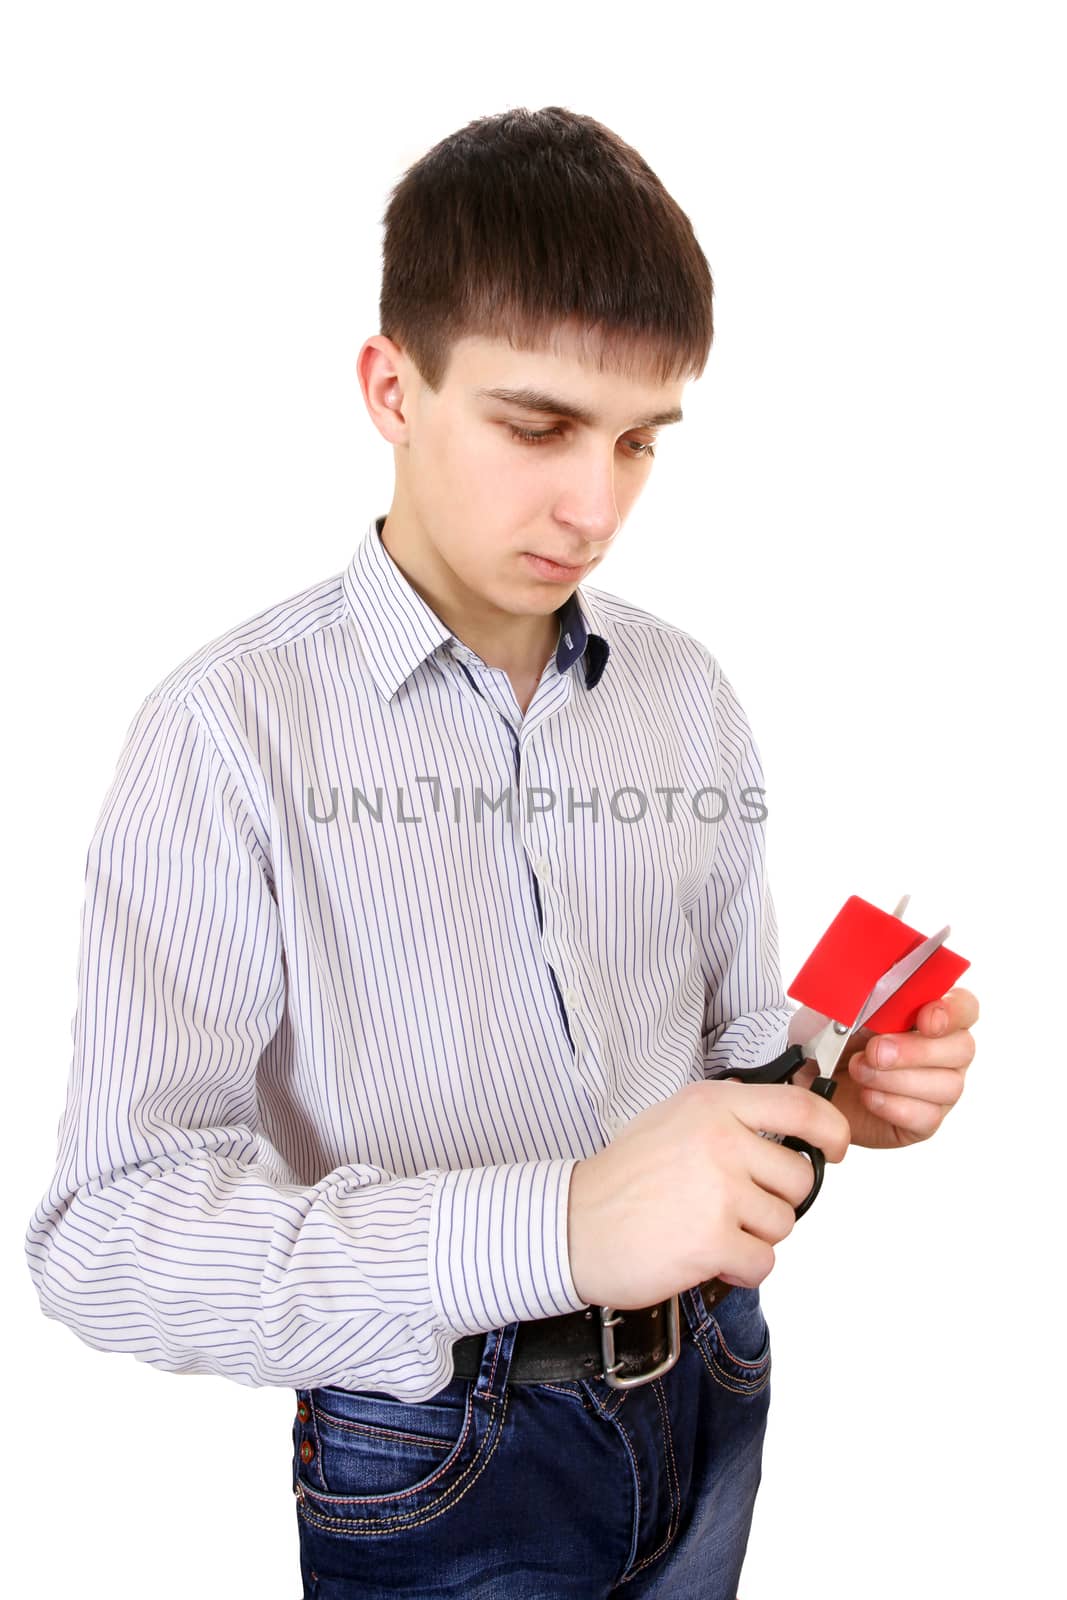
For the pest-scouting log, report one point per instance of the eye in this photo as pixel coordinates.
(530, 437)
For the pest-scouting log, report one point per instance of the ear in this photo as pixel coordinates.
(383, 372)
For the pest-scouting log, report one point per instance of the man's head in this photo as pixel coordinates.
(529, 252)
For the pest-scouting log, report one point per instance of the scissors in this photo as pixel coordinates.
(826, 1046)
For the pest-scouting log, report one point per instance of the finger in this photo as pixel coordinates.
(769, 1216)
(917, 1050)
(940, 1086)
(780, 1172)
(956, 1009)
(919, 1117)
(747, 1261)
(783, 1108)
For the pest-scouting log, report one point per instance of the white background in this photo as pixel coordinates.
(862, 516)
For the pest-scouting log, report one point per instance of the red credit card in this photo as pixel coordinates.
(857, 949)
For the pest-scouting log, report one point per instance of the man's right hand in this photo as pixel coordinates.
(689, 1191)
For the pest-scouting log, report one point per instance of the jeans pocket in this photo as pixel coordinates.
(735, 1342)
(363, 1459)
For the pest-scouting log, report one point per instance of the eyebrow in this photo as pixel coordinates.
(538, 400)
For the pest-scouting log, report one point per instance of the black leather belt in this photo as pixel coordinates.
(585, 1344)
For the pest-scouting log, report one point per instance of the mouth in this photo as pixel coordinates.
(548, 568)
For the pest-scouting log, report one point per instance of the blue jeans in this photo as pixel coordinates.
(541, 1491)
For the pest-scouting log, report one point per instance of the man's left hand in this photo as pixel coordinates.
(890, 1104)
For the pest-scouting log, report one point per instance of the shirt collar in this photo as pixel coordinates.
(399, 630)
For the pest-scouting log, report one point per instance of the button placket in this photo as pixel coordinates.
(571, 998)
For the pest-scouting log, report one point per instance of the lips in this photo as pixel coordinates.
(569, 566)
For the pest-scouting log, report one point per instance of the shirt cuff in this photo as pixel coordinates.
(749, 1041)
(498, 1245)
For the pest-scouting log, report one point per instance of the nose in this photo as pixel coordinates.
(588, 504)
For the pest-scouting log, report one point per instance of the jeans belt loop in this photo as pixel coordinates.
(608, 1323)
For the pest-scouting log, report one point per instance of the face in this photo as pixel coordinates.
(486, 485)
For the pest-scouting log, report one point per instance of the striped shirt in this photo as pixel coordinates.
(370, 959)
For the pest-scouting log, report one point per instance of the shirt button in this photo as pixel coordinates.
(307, 1450)
(544, 868)
(571, 997)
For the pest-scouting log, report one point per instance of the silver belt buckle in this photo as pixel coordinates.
(608, 1323)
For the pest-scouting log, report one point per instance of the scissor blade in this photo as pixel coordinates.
(827, 1045)
(898, 974)
(901, 906)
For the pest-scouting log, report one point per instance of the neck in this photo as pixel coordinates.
(520, 645)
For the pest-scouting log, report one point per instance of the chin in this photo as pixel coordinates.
(543, 605)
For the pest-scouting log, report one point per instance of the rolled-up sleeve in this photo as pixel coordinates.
(747, 1012)
(173, 1229)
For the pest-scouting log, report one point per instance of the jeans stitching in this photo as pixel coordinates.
(731, 1380)
(676, 1497)
(637, 1494)
(447, 1500)
(372, 1431)
(401, 1494)
(739, 1360)
(668, 1440)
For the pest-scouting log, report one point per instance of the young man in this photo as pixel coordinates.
(423, 914)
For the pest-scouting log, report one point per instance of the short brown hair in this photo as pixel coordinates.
(521, 221)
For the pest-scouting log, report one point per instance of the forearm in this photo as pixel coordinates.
(206, 1261)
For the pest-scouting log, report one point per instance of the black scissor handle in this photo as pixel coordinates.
(818, 1168)
(781, 1070)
